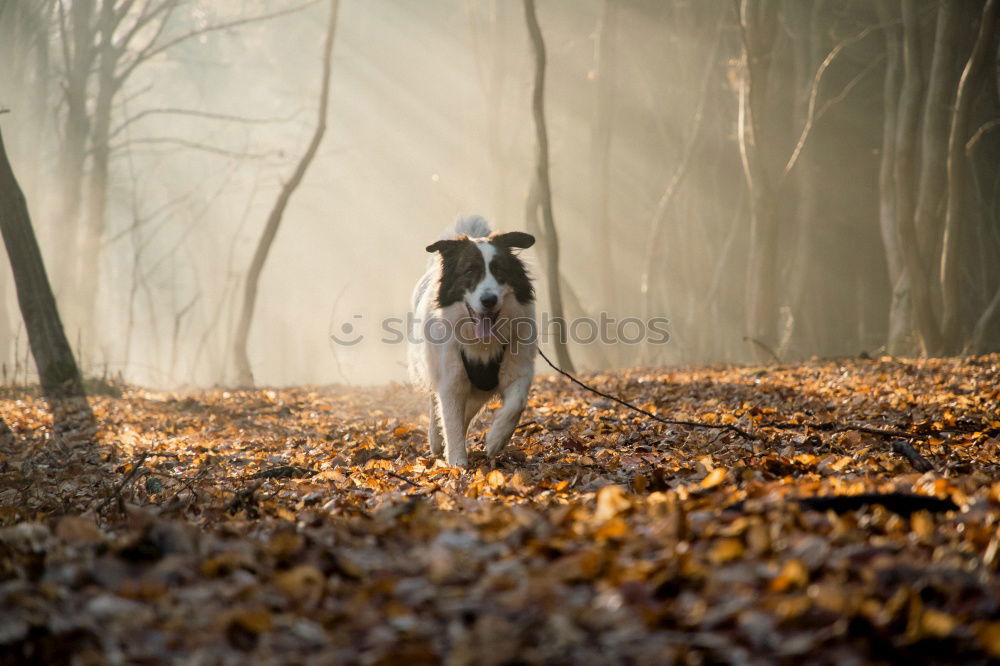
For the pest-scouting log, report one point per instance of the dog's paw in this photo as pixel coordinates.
(494, 447)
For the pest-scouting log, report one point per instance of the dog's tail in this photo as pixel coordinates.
(473, 226)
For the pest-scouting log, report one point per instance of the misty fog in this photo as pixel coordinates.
(430, 117)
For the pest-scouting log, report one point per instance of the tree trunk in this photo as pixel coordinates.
(898, 340)
(757, 23)
(934, 139)
(968, 87)
(978, 340)
(904, 174)
(57, 370)
(544, 186)
(95, 221)
(600, 145)
(78, 56)
(808, 311)
(244, 372)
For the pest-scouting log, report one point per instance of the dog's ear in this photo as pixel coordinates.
(444, 246)
(510, 239)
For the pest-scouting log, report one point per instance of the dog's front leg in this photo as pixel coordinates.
(515, 397)
(451, 403)
(434, 430)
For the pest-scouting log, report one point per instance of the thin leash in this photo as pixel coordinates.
(691, 424)
(900, 446)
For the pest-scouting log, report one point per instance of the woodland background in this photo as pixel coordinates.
(220, 187)
(776, 177)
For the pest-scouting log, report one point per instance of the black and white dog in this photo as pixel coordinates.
(474, 334)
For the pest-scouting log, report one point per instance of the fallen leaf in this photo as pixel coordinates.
(714, 478)
(611, 500)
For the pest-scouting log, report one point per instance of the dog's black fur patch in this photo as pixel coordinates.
(484, 376)
(462, 266)
(510, 270)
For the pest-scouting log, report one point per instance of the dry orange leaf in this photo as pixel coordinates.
(611, 500)
(615, 528)
(725, 550)
(253, 620)
(793, 574)
(714, 478)
(496, 480)
(989, 637)
(937, 623)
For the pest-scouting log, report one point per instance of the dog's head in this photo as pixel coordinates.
(484, 274)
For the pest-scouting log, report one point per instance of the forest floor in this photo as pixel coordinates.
(309, 525)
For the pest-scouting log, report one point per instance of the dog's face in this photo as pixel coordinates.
(484, 273)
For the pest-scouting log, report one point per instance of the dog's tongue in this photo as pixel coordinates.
(484, 326)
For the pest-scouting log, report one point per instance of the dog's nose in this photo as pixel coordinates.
(489, 301)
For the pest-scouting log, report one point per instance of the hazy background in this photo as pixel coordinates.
(430, 117)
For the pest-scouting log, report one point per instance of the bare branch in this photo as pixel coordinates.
(201, 146)
(151, 50)
(143, 20)
(198, 114)
(178, 319)
(124, 8)
(150, 217)
(123, 76)
(814, 93)
(979, 133)
(839, 97)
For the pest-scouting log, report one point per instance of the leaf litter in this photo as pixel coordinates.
(311, 525)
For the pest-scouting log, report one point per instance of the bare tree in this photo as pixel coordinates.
(970, 82)
(923, 174)
(115, 42)
(900, 311)
(76, 41)
(803, 21)
(758, 22)
(244, 372)
(25, 50)
(601, 138)
(907, 124)
(934, 132)
(58, 373)
(544, 188)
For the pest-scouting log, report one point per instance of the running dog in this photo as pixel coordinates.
(473, 335)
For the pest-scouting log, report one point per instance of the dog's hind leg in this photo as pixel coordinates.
(434, 430)
(473, 405)
(515, 397)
